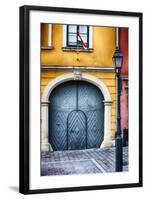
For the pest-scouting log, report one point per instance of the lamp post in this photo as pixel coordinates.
(117, 61)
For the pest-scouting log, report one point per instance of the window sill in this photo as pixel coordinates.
(46, 47)
(69, 49)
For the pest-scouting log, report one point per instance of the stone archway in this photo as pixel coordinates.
(107, 142)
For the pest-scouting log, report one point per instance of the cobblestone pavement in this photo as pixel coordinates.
(81, 161)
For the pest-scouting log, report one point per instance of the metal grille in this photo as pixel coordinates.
(76, 116)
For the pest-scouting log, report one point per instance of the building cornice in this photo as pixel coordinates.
(89, 68)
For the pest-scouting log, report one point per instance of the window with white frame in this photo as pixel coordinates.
(77, 36)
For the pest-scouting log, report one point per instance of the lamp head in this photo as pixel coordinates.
(117, 59)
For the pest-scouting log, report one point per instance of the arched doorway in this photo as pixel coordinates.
(107, 142)
(76, 116)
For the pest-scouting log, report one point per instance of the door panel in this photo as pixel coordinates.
(95, 128)
(62, 102)
(76, 116)
(76, 130)
(58, 127)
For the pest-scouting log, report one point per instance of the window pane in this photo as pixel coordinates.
(72, 39)
(79, 43)
(72, 43)
(72, 28)
(83, 37)
(83, 29)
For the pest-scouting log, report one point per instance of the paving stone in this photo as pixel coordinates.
(81, 161)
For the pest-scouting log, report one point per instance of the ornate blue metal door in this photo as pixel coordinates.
(76, 116)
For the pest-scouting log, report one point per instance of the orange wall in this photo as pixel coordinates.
(101, 56)
(103, 49)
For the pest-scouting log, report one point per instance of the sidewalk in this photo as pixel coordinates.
(81, 161)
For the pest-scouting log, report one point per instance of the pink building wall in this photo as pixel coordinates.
(124, 105)
(123, 45)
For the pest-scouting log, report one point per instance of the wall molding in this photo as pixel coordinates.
(83, 68)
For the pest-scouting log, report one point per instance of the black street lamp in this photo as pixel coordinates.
(117, 61)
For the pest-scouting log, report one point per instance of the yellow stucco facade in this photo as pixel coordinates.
(103, 39)
(103, 48)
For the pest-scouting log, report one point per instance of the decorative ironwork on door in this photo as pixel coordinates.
(76, 116)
